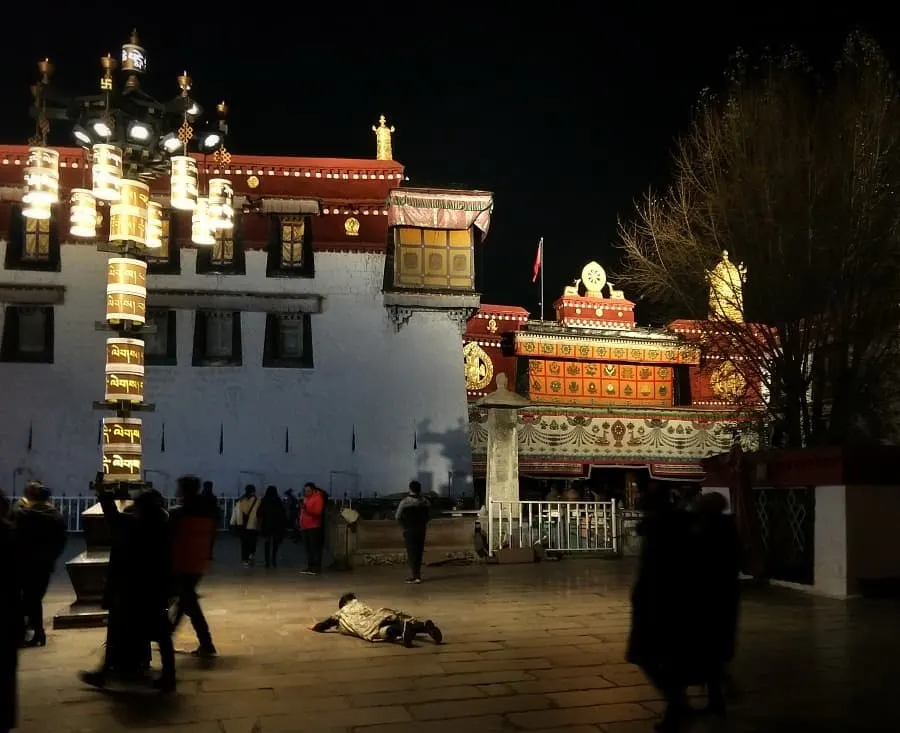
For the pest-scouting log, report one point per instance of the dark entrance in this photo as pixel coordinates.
(786, 526)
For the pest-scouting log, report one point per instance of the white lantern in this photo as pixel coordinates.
(83, 214)
(221, 200)
(154, 225)
(37, 210)
(41, 179)
(185, 183)
(106, 169)
(201, 233)
(128, 216)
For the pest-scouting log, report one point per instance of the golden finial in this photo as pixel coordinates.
(726, 290)
(108, 64)
(383, 139)
(184, 83)
(46, 69)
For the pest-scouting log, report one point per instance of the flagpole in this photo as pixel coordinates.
(542, 278)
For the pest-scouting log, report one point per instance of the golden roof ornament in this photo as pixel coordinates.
(383, 133)
(726, 290)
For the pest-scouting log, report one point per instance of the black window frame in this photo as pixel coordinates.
(274, 265)
(200, 359)
(272, 359)
(15, 245)
(170, 358)
(9, 346)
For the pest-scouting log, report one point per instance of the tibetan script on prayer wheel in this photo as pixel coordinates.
(126, 290)
(122, 434)
(128, 216)
(125, 353)
(118, 466)
(124, 386)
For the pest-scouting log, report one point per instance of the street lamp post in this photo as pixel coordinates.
(130, 140)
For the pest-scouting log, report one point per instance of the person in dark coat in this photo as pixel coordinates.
(212, 505)
(137, 590)
(413, 514)
(661, 612)
(716, 565)
(272, 519)
(12, 628)
(191, 527)
(41, 538)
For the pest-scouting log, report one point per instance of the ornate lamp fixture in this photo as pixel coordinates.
(130, 140)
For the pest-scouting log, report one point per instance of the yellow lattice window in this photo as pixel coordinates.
(293, 232)
(436, 258)
(222, 253)
(161, 254)
(37, 239)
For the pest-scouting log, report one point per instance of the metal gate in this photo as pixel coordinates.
(787, 526)
(558, 526)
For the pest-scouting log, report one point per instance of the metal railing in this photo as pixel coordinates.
(72, 507)
(557, 526)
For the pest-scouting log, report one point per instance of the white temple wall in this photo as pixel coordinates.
(402, 393)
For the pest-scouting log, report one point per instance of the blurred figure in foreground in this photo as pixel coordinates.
(12, 629)
(661, 607)
(191, 526)
(40, 539)
(355, 618)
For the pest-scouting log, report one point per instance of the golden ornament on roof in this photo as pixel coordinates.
(593, 277)
(383, 150)
(478, 365)
(727, 382)
(726, 290)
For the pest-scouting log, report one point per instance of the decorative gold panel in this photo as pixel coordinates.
(433, 258)
(37, 239)
(293, 232)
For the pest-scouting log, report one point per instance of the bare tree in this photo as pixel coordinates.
(797, 175)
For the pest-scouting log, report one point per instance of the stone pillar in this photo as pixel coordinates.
(502, 455)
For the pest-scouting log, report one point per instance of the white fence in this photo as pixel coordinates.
(558, 526)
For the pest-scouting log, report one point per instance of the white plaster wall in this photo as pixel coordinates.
(830, 577)
(389, 385)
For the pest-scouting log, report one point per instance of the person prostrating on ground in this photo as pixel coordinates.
(355, 618)
(413, 514)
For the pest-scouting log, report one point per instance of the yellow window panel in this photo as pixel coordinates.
(409, 235)
(434, 237)
(460, 237)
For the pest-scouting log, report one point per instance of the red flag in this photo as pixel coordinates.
(538, 260)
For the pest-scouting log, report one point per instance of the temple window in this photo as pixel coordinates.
(27, 334)
(33, 243)
(217, 338)
(160, 343)
(433, 258)
(290, 247)
(288, 341)
(165, 260)
(226, 255)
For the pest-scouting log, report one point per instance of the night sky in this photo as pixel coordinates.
(565, 114)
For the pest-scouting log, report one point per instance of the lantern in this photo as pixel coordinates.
(154, 225)
(185, 182)
(221, 210)
(83, 214)
(201, 233)
(126, 290)
(106, 171)
(128, 216)
(37, 210)
(41, 182)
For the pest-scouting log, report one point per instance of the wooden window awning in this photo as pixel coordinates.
(27, 294)
(234, 301)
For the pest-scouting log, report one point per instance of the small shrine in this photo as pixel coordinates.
(600, 305)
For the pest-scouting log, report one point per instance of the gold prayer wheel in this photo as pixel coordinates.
(154, 225)
(121, 467)
(123, 434)
(83, 214)
(122, 353)
(106, 171)
(41, 177)
(185, 182)
(126, 290)
(123, 385)
(221, 204)
(201, 230)
(128, 216)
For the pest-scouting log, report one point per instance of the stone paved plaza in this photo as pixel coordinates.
(530, 648)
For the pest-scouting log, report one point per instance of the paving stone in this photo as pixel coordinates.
(488, 724)
(408, 697)
(581, 716)
(559, 685)
(604, 696)
(487, 706)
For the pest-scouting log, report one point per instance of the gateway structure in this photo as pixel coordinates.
(319, 339)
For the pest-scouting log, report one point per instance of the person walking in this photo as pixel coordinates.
(12, 628)
(272, 525)
(212, 503)
(413, 514)
(312, 515)
(247, 516)
(191, 526)
(41, 538)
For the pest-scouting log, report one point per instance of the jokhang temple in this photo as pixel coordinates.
(606, 392)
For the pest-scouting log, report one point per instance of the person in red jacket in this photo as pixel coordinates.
(192, 526)
(312, 512)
